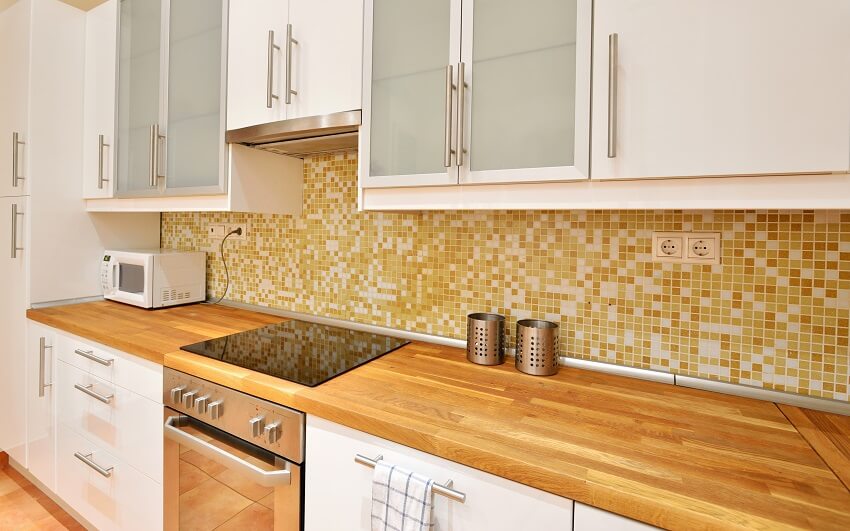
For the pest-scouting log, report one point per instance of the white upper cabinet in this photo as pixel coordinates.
(475, 92)
(525, 95)
(326, 57)
(255, 64)
(99, 105)
(14, 95)
(411, 49)
(293, 59)
(720, 87)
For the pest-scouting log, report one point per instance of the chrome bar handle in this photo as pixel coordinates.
(42, 347)
(447, 157)
(16, 142)
(442, 490)
(88, 354)
(461, 94)
(87, 389)
(86, 458)
(15, 215)
(289, 42)
(613, 45)
(154, 160)
(270, 95)
(100, 178)
(265, 478)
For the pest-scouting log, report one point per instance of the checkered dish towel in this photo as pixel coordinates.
(401, 500)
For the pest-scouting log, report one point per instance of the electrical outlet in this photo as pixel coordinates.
(237, 237)
(702, 248)
(667, 246)
(215, 230)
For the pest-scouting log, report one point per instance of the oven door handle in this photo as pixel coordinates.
(266, 478)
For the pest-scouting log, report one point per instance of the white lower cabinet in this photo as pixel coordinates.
(587, 518)
(41, 390)
(94, 429)
(104, 490)
(338, 491)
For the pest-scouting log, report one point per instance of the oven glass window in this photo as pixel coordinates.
(131, 278)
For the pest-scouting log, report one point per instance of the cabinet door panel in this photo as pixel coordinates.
(13, 388)
(722, 87)
(336, 480)
(14, 94)
(327, 62)
(249, 24)
(526, 98)
(139, 67)
(406, 128)
(99, 106)
(592, 519)
(195, 132)
(40, 403)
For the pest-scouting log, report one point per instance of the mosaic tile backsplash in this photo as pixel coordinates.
(775, 313)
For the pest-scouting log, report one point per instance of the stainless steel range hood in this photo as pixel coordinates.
(300, 137)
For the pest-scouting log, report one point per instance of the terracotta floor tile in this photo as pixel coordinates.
(209, 505)
(207, 465)
(245, 487)
(190, 476)
(255, 517)
(25, 508)
(268, 501)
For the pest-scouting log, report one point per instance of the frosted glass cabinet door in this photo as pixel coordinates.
(194, 158)
(410, 48)
(138, 94)
(526, 93)
(722, 87)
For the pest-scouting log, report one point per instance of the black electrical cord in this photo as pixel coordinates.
(237, 231)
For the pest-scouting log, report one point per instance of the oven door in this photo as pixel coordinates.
(215, 480)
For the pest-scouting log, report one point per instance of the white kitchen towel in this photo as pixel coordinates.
(401, 500)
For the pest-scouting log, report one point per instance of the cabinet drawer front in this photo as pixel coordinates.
(128, 371)
(334, 479)
(128, 426)
(127, 500)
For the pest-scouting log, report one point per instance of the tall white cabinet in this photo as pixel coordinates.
(292, 59)
(51, 247)
(720, 87)
(14, 94)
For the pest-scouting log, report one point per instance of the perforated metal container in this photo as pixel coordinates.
(485, 338)
(537, 347)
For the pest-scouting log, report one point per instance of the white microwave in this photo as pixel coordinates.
(154, 278)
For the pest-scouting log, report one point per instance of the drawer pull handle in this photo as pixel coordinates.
(443, 490)
(87, 389)
(86, 458)
(88, 354)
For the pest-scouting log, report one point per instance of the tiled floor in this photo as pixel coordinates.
(24, 508)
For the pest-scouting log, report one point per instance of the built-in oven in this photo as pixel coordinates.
(232, 461)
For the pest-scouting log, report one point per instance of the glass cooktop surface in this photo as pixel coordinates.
(298, 351)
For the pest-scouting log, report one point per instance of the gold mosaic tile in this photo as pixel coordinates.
(774, 314)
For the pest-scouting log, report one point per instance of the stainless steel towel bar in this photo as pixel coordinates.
(443, 490)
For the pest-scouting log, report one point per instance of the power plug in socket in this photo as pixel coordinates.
(230, 227)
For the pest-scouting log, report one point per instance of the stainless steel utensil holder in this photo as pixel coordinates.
(537, 347)
(485, 338)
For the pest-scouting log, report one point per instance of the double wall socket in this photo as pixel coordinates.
(217, 231)
(686, 247)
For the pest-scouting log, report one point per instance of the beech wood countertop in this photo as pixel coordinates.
(670, 456)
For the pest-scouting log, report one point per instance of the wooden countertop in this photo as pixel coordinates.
(673, 457)
(149, 334)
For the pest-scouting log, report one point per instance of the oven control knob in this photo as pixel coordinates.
(272, 432)
(189, 399)
(216, 409)
(177, 394)
(257, 424)
(201, 404)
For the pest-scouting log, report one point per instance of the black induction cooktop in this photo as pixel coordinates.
(298, 351)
